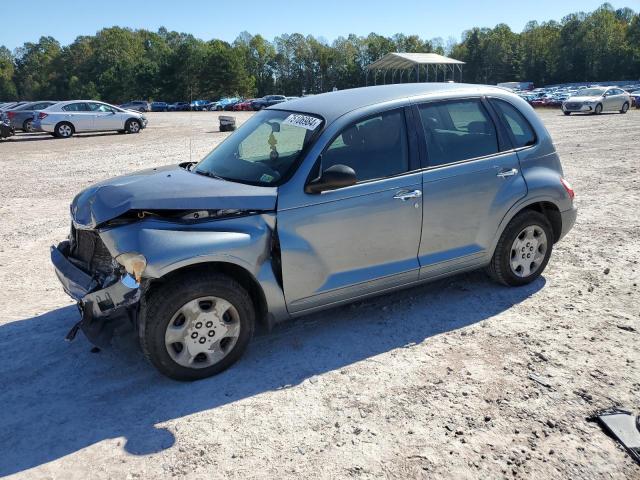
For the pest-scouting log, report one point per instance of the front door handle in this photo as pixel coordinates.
(507, 173)
(405, 195)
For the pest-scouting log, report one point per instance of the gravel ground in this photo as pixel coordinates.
(431, 382)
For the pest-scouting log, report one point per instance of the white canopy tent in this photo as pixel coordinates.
(420, 64)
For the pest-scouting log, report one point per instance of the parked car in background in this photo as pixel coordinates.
(197, 243)
(267, 101)
(291, 98)
(597, 100)
(229, 106)
(199, 105)
(223, 102)
(244, 105)
(635, 98)
(138, 105)
(9, 105)
(179, 107)
(159, 106)
(21, 117)
(64, 119)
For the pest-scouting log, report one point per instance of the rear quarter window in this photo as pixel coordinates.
(521, 132)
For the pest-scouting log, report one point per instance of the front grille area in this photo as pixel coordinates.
(572, 106)
(90, 250)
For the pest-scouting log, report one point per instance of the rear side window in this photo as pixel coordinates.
(76, 107)
(457, 130)
(375, 147)
(522, 135)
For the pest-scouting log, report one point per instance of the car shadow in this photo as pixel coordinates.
(31, 137)
(58, 398)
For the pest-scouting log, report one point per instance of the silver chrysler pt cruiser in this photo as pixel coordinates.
(310, 204)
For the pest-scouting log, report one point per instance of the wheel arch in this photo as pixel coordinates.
(73, 127)
(235, 271)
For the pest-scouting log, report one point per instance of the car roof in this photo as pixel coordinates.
(333, 105)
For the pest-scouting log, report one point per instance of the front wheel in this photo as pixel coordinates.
(567, 113)
(132, 126)
(197, 325)
(598, 109)
(523, 250)
(625, 108)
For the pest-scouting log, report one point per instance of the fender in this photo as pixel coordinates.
(170, 245)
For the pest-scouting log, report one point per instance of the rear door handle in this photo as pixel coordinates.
(405, 195)
(507, 173)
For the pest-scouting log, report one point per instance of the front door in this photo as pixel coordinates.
(105, 117)
(469, 185)
(360, 239)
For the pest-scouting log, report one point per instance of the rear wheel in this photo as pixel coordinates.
(27, 126)
(197, 325)
(132, 126)
(598, 109)
(64, 130)
(625, 108)
(523, 250)
(567, 113)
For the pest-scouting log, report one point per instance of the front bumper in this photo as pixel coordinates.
(568, 107)
(103, 309)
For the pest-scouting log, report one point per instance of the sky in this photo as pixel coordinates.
(329, 19)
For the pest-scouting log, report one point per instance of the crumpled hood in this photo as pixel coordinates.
(583, 99)
(165, 188)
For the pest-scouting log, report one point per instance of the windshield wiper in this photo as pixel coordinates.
(209, 174)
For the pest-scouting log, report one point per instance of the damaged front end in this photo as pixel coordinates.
(107, 295)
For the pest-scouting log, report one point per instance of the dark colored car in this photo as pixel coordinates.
(159, 106)
(199, 105)
(179, 107)
(21, 117)
(137, 105)
(267, 101)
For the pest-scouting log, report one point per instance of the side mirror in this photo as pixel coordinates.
(336, 176)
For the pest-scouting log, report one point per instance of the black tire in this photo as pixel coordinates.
(164, 302)
(500, 267)
(567, 113)
(27, 126)
(133, 126)
(64, 130)
(625, 107)
(598, 109)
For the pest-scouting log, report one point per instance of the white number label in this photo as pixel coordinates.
(304, 121)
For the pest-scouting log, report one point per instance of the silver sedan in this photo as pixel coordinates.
(64, 119)
(597, 100)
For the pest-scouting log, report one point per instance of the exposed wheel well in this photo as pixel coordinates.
(239, 274)
(552, 213)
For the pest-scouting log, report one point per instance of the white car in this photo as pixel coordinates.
(64, 119)
(597, 100)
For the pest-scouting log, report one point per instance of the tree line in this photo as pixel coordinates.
(118, 64)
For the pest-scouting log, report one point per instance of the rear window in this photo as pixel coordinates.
(522, 135)
(457, 130)
(76, 107)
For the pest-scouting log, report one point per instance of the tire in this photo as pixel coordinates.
(64, 130)
(566, 113)
(501, 268)
(598, 109)
(163, 309)
(27, 126)
(625, 107)
(133, 126)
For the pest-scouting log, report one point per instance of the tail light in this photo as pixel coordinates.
(42, 115)
(10, 115)
(567, 186)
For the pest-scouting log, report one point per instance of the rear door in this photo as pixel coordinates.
(472, 178)
(80, 115)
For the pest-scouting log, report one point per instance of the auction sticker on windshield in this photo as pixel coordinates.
(304, 121)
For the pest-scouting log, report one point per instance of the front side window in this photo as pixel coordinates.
(374, 148)
(264, 150)
(100, 107)
(457, 130)
(522, 135)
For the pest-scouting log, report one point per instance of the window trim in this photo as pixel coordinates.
(500, 134)
(413, 159)
(508, 130)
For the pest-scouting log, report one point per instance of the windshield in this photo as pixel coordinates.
(263, 150)
(591, 92)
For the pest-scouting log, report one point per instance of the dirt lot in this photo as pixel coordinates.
(431, 382)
